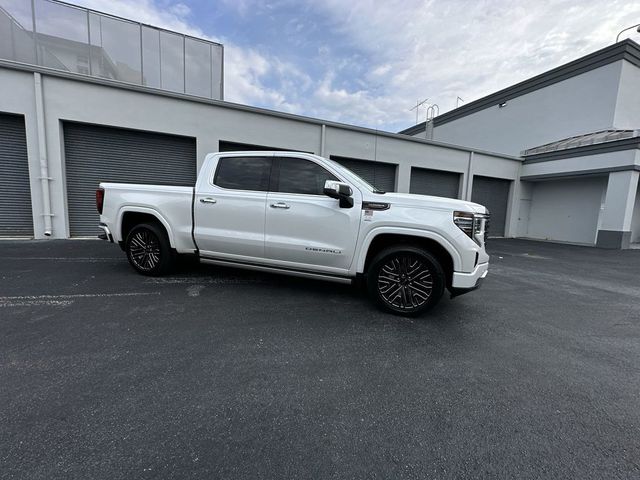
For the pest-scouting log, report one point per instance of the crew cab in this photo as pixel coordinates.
(305, 215)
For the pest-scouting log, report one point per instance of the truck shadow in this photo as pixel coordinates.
(213, 274)
(333, 299)
(332, 295)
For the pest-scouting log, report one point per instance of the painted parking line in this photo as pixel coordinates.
(203, 280)
(61, 300)
(65, 259)
(35, 303)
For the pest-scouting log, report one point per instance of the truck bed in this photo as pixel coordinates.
(171, 204)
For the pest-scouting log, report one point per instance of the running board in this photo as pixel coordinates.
(280, 271)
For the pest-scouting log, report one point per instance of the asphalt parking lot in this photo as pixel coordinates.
(219, 373)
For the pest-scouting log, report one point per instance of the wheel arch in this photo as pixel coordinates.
(129, 217)
(435, 244)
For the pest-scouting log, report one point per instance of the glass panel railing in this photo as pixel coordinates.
(115, 49)
(198, 68)
(217, 60)
(62, 35)
(83, 41)
(16, 31)
(171, 61)
(151, 57)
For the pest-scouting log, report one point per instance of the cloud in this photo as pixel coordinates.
(368, 61)
(445, 49)
(180, 9)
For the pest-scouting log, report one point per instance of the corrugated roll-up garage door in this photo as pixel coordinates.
(378, 174)
(434, 182)
(95, 154)
(16, 217)
(493, 193)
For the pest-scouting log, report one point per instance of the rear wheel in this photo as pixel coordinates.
(405, 280)
(148, 249)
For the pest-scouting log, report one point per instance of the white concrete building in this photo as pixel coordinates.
(116, 100)
(577, 129)
(62, 131)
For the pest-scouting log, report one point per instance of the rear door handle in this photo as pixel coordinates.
(208, 200)
(280, 205)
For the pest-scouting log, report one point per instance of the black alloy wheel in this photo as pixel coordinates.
(405, 280)
(148, 249)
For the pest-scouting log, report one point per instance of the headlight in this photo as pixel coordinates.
(464, 221)
(473, 225)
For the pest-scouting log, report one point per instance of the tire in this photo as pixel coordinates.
(148, 250)
(405, 280)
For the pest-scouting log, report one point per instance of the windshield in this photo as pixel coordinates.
(355, 177)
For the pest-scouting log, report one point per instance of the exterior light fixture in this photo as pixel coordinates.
(502, 104)
(628, 28)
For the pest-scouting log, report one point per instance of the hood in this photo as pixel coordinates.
(426, 201)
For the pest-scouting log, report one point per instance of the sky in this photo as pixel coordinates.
(367, 62)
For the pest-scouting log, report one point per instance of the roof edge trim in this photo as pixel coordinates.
(585, 150)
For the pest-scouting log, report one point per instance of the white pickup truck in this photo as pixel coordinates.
(304, 215)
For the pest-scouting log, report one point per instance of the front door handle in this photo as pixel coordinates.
(280, 205)
(208, 200)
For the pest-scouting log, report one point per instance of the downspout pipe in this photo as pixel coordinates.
(469, 186)
(42, 154)
(323, 140)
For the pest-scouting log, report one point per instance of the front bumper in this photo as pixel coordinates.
(466, 282)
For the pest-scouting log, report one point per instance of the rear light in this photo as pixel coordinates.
(99, 199)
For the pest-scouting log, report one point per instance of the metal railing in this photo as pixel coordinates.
(55, 34)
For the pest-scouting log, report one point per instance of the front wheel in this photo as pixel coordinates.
(148, 250)
(405, 280)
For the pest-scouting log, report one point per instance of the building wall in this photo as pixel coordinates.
(566, 210)
(69, 99)
(581, 104)
(635, 222)
(18, 97)
(524, 208)
(627, 115)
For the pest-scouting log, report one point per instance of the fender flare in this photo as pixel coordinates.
(150, 211)
(411, 232)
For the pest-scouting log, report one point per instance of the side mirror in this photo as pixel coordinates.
(339, 191)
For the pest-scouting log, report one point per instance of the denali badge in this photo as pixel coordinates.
(323, 250)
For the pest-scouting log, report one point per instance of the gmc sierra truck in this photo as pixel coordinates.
(301, 214)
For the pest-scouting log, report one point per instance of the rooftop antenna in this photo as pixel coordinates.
(458, 100)
(417, 107)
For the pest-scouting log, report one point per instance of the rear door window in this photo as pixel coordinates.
(244, 173)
